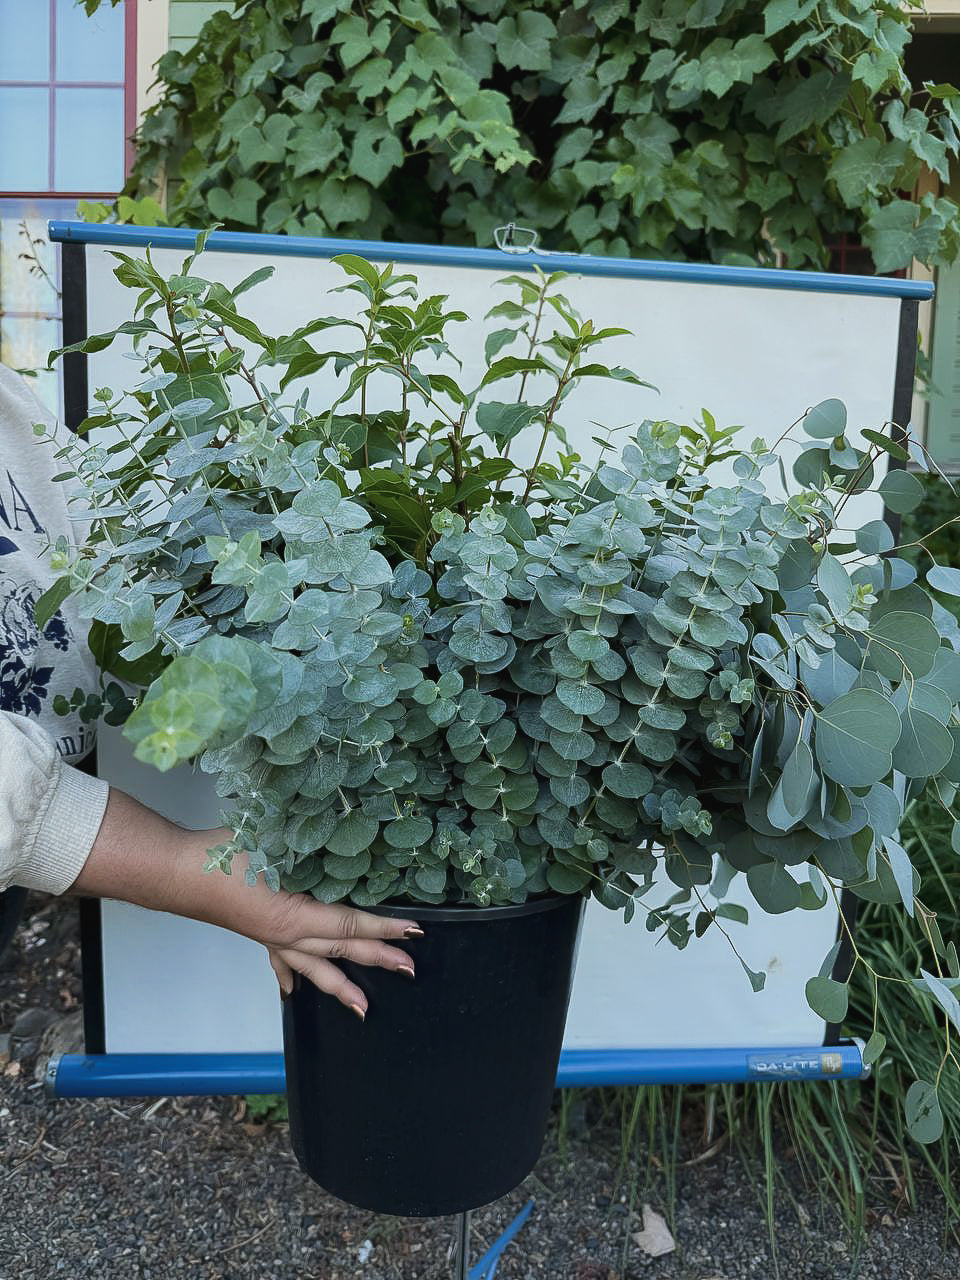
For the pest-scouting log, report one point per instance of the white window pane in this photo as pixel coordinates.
(28, 262)
(26, 343)
(89, 48)
(24, 40)
(24, 139)
(88, 140)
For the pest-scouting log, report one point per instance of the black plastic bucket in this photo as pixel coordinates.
(439, 1101)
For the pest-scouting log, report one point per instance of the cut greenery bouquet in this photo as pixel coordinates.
(423, 669)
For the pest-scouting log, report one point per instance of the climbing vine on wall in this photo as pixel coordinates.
(709, 129)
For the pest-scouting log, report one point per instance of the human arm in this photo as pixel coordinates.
(161, 867)
(62, 830)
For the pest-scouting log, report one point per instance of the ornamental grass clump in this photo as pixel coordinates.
(429, 653)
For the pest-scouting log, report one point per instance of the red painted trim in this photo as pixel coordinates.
(130, 81)
(57, 195)
(63, 84)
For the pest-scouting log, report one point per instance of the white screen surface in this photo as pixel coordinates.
(756, 356)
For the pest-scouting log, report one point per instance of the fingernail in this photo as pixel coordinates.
(286, 993)
(358, 1011)
(406, 970)
(413, 931)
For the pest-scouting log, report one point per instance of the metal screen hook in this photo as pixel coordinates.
(514, 239)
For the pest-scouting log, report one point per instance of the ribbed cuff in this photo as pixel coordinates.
(66, 832)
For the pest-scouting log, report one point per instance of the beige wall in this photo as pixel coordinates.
(153, 26)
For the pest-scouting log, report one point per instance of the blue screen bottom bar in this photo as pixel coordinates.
(147, 1075)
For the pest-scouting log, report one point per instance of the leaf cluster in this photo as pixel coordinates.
(423, 668)
(721, 130)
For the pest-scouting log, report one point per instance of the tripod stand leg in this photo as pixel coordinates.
(461, 1262)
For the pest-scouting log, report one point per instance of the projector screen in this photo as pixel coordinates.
(754, 347)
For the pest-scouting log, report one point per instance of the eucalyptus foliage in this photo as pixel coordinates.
(420, 668)
(720, 130)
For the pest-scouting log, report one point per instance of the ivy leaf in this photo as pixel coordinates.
(524, 41)
(778, 14)
(239, 203)
(811, 101)
(266, 144)
(584, 99)
(314, 147)
(376, 152)
(898, 232)
(866, 165)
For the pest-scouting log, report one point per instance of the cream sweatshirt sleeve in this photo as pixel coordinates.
(50, 813)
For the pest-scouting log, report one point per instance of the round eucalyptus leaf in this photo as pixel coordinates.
(855, 736)
(571, 791)
(581, 698)
(922, 1112)
(562, 879)
(874, 1048)
(942, 578)
(826, 420)
(874, 538)
(408, 833)
(924, 747)
(354, 833)
(828, 998)
(773, 887)
(901, 491)
(903, 644)
(587, 645)
(628, 780)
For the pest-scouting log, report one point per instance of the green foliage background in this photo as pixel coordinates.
(718, 130)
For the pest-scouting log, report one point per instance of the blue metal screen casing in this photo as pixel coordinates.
(183, 238)
(141, 1075)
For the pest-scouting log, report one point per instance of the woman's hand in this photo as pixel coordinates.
(140, 857)
(307, 937)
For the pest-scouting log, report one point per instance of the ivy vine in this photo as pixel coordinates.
(724, 130)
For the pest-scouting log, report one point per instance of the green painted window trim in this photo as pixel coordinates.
(943, 414)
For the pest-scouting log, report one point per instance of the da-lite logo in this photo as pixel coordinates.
(793, 1066)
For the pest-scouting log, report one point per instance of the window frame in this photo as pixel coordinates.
(128, 84)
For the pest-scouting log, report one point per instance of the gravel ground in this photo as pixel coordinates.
(190, 1187)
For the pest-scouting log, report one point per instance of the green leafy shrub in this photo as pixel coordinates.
(423, 667)
(720, 130)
